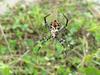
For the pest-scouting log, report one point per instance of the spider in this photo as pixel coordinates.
(55, 29)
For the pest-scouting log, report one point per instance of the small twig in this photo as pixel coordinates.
(95, 62)
(17, 60)
(76, 52)
(5, 38)
(85, 50)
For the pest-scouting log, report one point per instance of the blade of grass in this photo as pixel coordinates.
(5, 38)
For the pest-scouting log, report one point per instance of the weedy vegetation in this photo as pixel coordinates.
(23, 32)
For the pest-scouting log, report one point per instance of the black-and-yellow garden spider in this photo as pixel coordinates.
(55, 29)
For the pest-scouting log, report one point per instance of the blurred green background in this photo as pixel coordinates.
(22, 26)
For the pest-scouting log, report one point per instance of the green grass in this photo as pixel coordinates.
(22, 28)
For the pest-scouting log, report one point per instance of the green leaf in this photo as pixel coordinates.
(63, 71)
(97, 35)
(19, 33)
(5, 69)
(24, 27)
(12, 43)
(27, 59)
(44, 72)
(88, 58)
(59, 47)
(30, 42)
(3, 49)
(35, 71)
(92, 71)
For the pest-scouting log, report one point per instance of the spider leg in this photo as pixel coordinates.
(61, 41)
(66, 19)
(43, 41)
(45, 20)
(65, 24)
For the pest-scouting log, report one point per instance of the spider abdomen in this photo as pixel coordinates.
(54, 28)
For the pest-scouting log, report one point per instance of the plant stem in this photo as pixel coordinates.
(5, 38)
